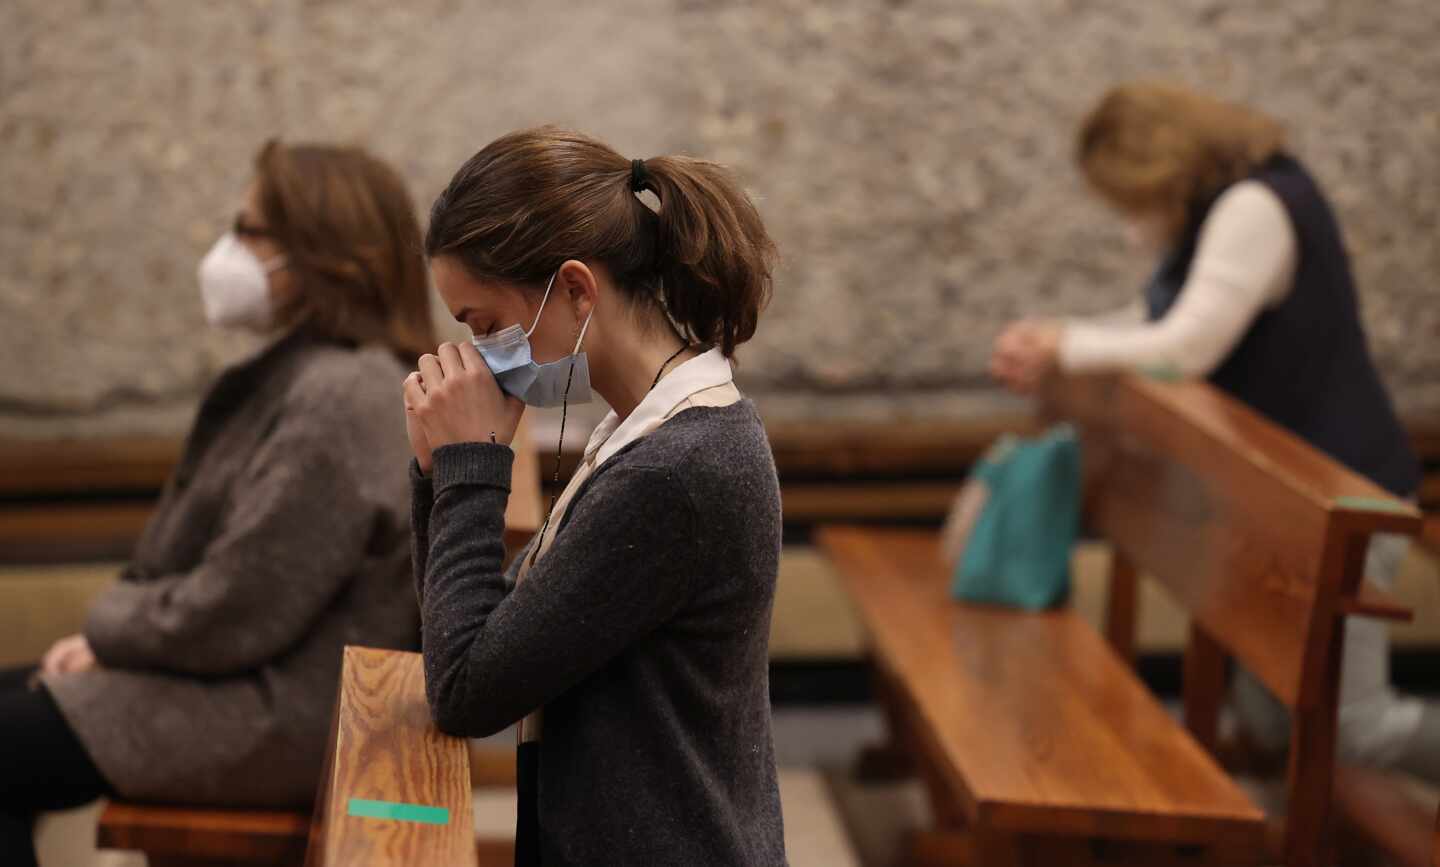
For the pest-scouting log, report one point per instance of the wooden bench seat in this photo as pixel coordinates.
(196, 836)
(1037, 743)
(1042, 727)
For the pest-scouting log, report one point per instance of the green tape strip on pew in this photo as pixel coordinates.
(399, 812)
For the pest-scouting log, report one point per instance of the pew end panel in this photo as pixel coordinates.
(396, 790)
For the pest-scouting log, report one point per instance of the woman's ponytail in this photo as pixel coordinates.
(534, 198)
(713, 254)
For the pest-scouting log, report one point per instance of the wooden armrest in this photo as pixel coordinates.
(1371, 601)
(1430, 533)
(396, 791)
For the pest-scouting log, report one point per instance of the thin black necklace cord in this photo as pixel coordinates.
(560, 444)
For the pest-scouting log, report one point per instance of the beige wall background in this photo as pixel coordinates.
(912, 159)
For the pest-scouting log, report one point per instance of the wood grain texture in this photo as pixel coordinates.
(71, 532)
(238, 836)
(1232, 514)
(385, 748)
(1430, 536)
(48, 467)
(850, 448)
(1036, 725)
(1435, 854)
(1371, 601)
(1376, 814)
(1204, 687)
(1122, 606)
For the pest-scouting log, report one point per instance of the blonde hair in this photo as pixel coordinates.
(1157, 148)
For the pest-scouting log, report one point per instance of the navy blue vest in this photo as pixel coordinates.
(1305, 364)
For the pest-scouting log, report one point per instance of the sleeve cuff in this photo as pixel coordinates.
(1077, 350)
(115, 609)
(486, 464)
(419, 482)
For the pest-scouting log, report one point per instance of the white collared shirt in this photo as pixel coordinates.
(701, 381)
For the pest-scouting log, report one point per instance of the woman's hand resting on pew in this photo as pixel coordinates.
(1025, 353)
(454, 398)
(69, 655)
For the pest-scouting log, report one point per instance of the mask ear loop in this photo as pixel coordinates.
(560, 442)
(581, 339)
(541, 311)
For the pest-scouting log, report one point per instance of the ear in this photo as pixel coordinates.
(581, 285)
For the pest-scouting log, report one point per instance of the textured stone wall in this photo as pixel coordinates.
(911, 158)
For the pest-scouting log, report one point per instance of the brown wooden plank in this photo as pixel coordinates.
(802, 448)
(77, 465)
(492, 767)
(1265, 446)
(1228, 511)
(1371, 601)
(1435, 854)
(76, 532)
(275, 836)
(1204, 687)
(1378, 816)
(1032, 714)
(71, 532)
(848, 448)
(495, 853)
(1122, 606)
(893, 501)
(1430, 535)
(386, 748)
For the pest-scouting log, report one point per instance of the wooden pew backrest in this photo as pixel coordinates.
(1257, 534)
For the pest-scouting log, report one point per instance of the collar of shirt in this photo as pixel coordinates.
(705, 371)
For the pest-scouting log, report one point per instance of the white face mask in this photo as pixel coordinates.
(235, 286)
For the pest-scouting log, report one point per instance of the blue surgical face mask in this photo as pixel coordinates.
(507, 354)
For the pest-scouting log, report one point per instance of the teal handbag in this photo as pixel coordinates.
(1018, 519)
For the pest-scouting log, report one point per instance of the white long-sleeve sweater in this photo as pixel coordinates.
(1244, 263)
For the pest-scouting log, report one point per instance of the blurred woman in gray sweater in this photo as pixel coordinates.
(207, 674)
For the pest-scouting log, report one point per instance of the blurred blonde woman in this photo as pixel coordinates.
(207, 673)
(1252, 291)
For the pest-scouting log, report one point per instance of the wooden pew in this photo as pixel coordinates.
(1037, 742)
(395, 791)
(1378, 817)
(179, 836)
(72, 501)
(87, 501)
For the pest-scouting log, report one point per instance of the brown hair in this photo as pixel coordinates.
(348, 229)
(532, 199)
(1157, 147)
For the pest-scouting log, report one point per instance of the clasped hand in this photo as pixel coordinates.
(454, 398)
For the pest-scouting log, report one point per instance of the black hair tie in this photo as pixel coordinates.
(639, 176)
